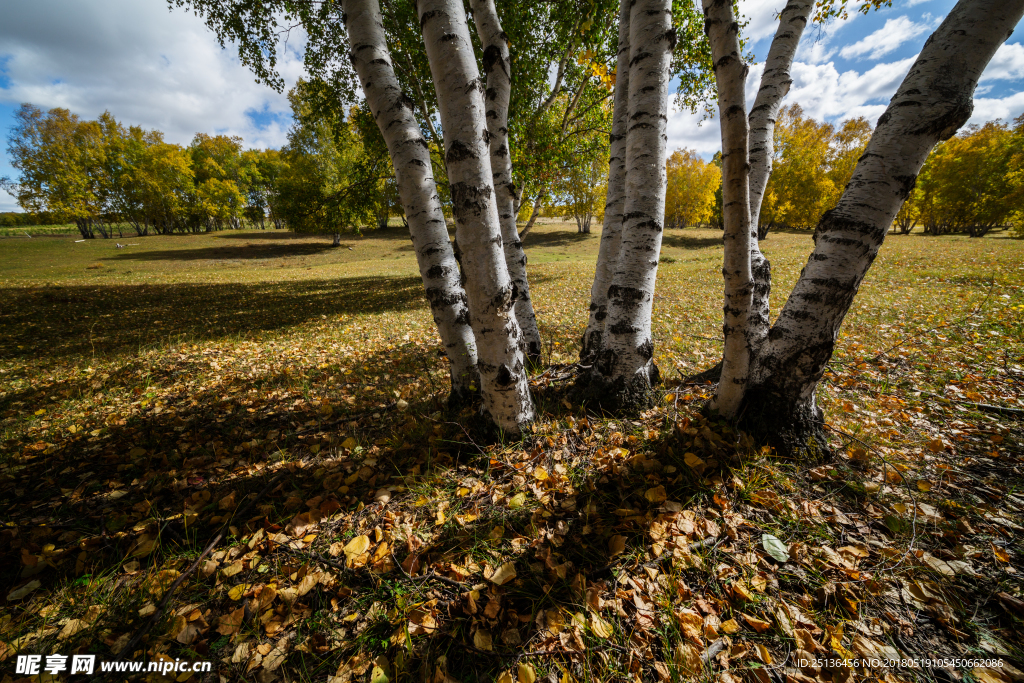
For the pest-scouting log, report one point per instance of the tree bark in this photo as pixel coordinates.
(498, 70)
(624, 371)
(611, 229)
(491, 293)
(413, 172)
(775, 83)
(933, 102)
(730, 76)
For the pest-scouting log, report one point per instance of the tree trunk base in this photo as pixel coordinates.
(794, 431)
(617, 395)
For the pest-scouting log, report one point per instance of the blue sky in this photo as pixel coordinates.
(164, 70)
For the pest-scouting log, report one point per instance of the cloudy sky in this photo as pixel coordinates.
(161, 69)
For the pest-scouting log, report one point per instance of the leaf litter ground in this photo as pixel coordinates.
(148, 402)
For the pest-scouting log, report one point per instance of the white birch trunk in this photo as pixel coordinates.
(626, 360)
(731, 75)
(611, 229)
(498, 70)
(533, 216)
(411, 158)
(504, 386)
(933, 102)
(775, 83)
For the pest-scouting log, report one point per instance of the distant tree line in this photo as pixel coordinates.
(106, 177)
(17, 219)
(970, 184)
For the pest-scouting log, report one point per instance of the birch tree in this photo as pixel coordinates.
(611, 227)
(623, 370)
(498, 89)
(777, 394)
(410, 156)
(491, 293)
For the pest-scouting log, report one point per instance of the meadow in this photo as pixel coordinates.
(281, 403)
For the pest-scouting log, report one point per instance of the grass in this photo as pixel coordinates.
(27, 231)
(146, 393)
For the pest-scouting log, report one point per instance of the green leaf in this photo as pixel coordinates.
(774, 547)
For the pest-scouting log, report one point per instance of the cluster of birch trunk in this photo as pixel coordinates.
(481, 300)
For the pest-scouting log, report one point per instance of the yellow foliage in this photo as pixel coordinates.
(690, 195)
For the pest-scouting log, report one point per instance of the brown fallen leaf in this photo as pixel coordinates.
(231, 623)
(691, 624)
(758, 625)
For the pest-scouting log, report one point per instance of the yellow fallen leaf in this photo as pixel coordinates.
(1000, 554)
(692, 460)
(762, 653)
(656, 494)
(758, 625)
(540, 474)
(503, 574)
(730, 626)
(600, 627)
(506, 677)
(238, 591)
(356, 547)
(526, 673)
(517, 501)
(349, 443)
(924, 485)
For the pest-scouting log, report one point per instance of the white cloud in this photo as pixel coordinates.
(912, 3)
(762, 17)
(814, 52)
(1006, 64)
(1006, 108)
(148, 66)
(885, 40)
(825, 93)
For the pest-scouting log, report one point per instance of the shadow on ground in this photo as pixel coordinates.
(54, 322)
(680, 240)
(560, 238)
(227, 253)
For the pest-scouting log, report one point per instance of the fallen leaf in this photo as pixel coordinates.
(19, 593)
(356, 547)
(730, 626)
(690, 623)
(600, 627)
(687, 658)
(758, 625)
(503, 574)
(774, 547)
(526, 673)
(656, 494)
(482, 640)
(616, 545)
(231, 623)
